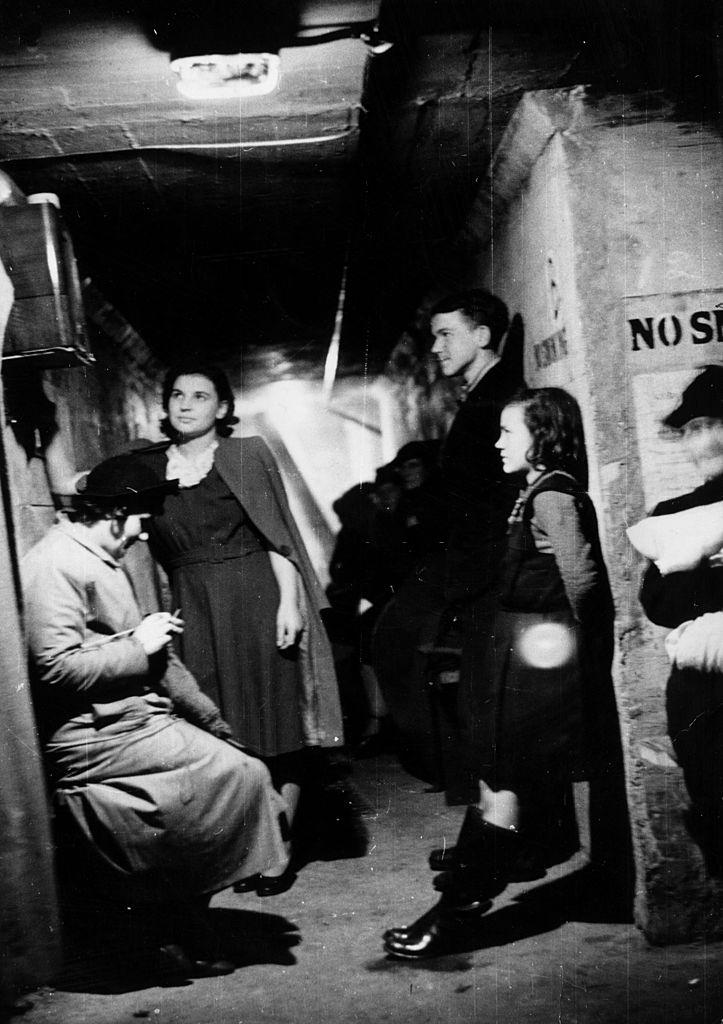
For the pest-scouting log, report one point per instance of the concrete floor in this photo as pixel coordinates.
(314, 954)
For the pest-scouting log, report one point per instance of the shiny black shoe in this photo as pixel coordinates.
(447, 930)
(406, 932)
(274, 885)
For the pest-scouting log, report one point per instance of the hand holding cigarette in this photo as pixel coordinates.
(156, 631)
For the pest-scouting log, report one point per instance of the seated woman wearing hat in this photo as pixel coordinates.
(674, 595)
(157, 803)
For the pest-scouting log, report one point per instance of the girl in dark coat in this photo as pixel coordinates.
(533, 733)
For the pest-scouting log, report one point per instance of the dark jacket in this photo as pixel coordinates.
(694, 699)
(479, 495)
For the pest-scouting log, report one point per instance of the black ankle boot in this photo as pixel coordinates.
(478, 874)
(528, 866)
(486, 857)
(470, 836)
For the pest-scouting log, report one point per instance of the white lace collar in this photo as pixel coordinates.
(189, 470)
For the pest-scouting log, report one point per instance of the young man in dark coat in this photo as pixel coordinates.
(468, 329)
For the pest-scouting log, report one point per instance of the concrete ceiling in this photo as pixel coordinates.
(224, 226)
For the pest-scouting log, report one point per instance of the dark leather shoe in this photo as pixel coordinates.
(432, 942)
(406, 932)
(274, 885)
(446, 931)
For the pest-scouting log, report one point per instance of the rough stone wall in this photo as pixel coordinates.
(646, 194)
(608, 239)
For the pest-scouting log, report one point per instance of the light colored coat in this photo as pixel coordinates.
(163, 801)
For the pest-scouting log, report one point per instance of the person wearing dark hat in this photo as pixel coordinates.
(694, 696)
(422, 509)
(151, 804)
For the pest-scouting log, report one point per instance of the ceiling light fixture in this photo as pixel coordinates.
(237, 75)
(227, 76)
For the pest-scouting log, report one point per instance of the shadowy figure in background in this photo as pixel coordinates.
(683, 590)
(422, 509)
(355, 595)
(390, 531)
(367, 566)
(151, 809)
(545, 716)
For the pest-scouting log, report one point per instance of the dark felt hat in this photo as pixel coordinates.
(702, 397)
(125, 482)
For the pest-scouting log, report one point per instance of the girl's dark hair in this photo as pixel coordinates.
(553, 418)
(224, 426)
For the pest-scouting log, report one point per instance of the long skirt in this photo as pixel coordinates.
(229, 645)
(164, 802)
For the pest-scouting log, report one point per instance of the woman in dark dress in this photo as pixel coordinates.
(548, 662)
(238, 570)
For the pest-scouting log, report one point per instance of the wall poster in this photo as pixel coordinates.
(669, 338)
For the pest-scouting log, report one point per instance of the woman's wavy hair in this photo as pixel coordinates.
(553, 418)
(224, 426)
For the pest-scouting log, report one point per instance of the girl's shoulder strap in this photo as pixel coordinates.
(551, 480)
(556, 480)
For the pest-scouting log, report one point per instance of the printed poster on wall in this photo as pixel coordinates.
(669, 339)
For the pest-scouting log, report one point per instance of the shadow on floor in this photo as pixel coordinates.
(114, 954)
(330, 821)
(581, 896)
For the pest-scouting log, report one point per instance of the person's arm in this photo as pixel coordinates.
(668, 600)
(698, 644)
(557, 515)
(189, 701)
(289, 620)
(55, 618)
(280, 546)
(672, 598)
